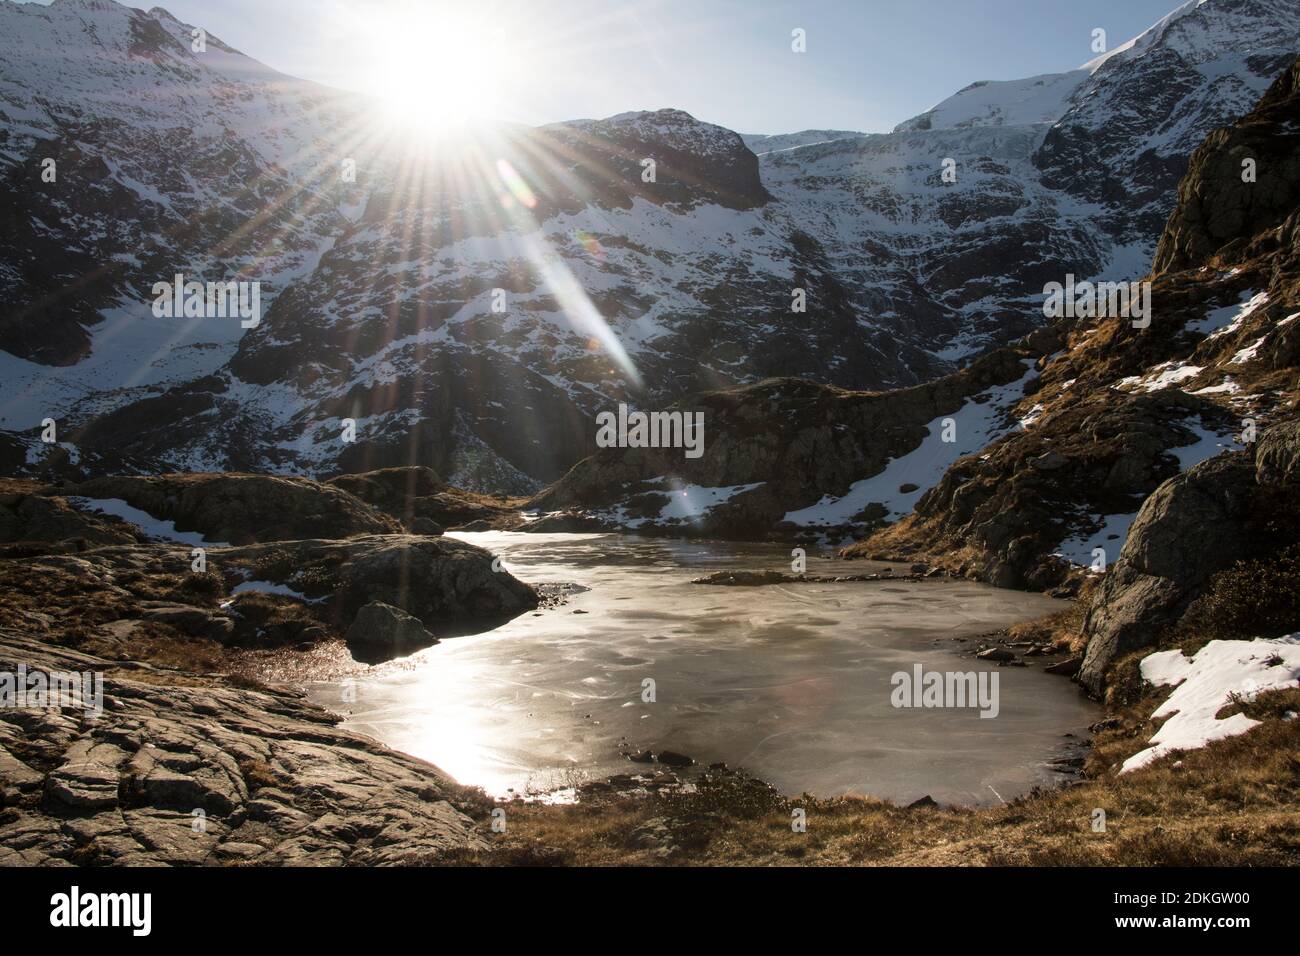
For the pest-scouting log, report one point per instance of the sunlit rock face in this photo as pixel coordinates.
(471, 303)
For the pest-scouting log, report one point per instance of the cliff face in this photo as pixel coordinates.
(1243, 183)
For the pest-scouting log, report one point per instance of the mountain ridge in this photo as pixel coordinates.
(380, 309)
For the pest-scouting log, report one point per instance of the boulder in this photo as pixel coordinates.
(1277, 456)
(672, 758)
(436, 579)
(381, 626)
(1192, 526)
(448, 584)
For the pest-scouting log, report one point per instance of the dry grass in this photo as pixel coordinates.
(1064, 629)
(1232, 803)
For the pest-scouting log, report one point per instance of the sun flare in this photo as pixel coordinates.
(438, 71)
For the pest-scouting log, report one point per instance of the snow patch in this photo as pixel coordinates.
(1110, 538)
(689, 502)
(977, 425)
(271, 587)
(1115, 527)
(1228, 319)
(1208, 681)
(154, 527)
(1166, 374)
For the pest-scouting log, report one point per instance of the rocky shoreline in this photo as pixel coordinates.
(187, 770)
(194, 761)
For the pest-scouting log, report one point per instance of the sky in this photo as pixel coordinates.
(868, 64)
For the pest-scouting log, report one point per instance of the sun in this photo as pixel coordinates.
(440, 71)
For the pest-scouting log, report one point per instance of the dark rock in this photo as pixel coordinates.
(439, 580)
(567, 522)
(384, 627)
(1069, 667)
(673, 759)
(242, 509)
(1193, 525)
(278, 782)
(1277, 457)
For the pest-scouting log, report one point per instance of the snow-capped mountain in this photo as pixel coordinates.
(472, 305)
(127, 157)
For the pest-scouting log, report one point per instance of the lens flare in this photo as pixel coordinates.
(518, 189)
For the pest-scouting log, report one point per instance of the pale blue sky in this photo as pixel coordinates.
(869, 64)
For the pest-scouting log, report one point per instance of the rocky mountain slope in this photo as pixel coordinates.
(127, 157)
(1052, 462)
(1121, 409)
(382, 305)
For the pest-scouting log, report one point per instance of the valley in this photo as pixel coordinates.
(613, 477)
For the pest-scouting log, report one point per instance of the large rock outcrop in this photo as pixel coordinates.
(32, 519)
(209, 774)
(1277, 458)
(1242, 181)
(1235, 507)
(451, 586)
(1006, 509)
(1193, 525)
(240, 508)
